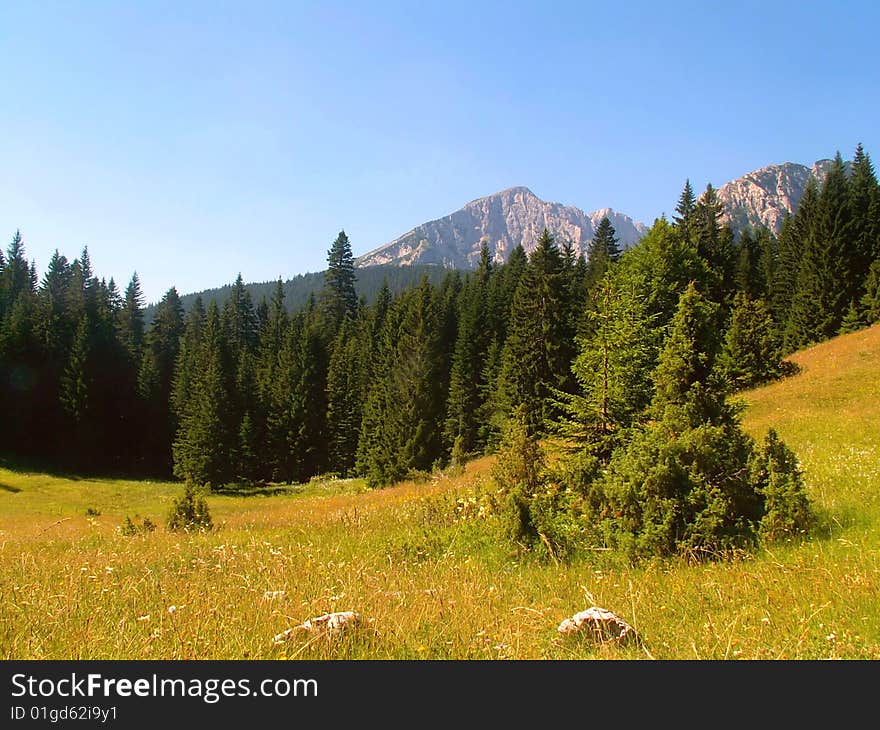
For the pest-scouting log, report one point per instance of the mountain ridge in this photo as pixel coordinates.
(516, 215)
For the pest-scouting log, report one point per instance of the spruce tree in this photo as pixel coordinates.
(345, 393)
(16, 277)
(131, 320)
(752, 353)
(864, 231)
(308, 401)
(537, 355)
(204, 448)
(603, 252)
(870, 303)
(156, 382)
(852, 321)
(682, 483)
(466, 394)
(338, 297)
(612, 369)
(715, 243)
(405, 399)
(824, 284)
(685, 211)
(75, 385)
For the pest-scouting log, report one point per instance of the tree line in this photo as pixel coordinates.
(238, 391)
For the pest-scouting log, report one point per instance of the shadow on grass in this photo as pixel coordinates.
(257, 490)
(7, 488)
(31, 465)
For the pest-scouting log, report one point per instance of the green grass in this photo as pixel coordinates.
(426, 573)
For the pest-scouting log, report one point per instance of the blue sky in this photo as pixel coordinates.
(191, 141)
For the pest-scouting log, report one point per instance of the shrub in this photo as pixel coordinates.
(190, 512)
(130, 528)
(518, 475)
(776, 473)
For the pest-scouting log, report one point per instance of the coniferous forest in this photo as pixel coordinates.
(624, 358)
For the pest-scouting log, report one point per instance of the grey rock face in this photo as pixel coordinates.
(766, 196)
(503, 220)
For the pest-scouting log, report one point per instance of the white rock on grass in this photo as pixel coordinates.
(601, 623)
(330, 623)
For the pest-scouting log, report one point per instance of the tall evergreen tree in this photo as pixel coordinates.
(309, 400)
(612, 368)
(870, 303)
(405, 401)
(715, 243)
(864, 230)
(338, 297)
(602, 253)
(466, 392)
(204, 448)
(752, 353)
(792, 240)
(346, 383)
(685, 209)
(824, 284)
(131, 320)
(538, 350)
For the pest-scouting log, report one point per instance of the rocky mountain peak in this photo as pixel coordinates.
(503, 220)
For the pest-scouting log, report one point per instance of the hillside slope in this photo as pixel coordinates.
(830, 414)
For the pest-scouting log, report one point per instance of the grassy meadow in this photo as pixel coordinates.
(421, 566)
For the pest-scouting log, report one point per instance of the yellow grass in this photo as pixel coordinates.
(426, 573)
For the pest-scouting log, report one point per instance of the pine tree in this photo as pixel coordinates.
(715, 243)
(603, 252)
(466, 395)
(660, 269)
(131, 320)
(685, 209)
(75, 383)
(280, 378)
(187, 363)
(682, 484)
(309, 400)
(864, 231)
(405, 400)
(156, 381)
(247, 425)
(824, 284)
(870, 304)
(239, 321)
(754, 263)
(792, 240)
(345, 393)
(537, 355)
(377, 458)
(685, 376)
(204, 447)
(16, 277)
(752, 353)
(612, 369)
(338, 297)
(852, 321)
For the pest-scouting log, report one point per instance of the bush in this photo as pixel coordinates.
(776, 473)
(130, 528)
(190, 512)
(518, 475)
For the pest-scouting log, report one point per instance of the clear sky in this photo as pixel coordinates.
(191, 141)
